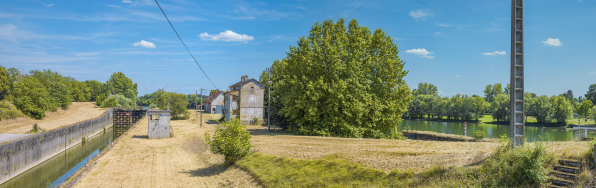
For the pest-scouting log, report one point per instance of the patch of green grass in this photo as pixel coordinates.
(273, 171)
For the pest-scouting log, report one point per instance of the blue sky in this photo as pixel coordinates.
(456, 45)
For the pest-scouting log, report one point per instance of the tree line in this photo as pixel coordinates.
(41, 91)
(554, 109)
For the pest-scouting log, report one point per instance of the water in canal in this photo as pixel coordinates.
(493, 131)
(56, 170)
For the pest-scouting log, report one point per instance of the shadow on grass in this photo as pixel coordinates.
(212, 170)
(212, 122)
(261, 131)
(141, 136)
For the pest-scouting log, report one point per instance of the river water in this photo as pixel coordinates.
(494, 131)
(57, 169)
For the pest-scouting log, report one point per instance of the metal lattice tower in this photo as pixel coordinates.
(517, 129)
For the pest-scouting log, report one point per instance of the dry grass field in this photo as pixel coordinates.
(78, 111)
(181, 161)
(185, 160)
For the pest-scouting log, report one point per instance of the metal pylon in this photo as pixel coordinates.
(517, 129)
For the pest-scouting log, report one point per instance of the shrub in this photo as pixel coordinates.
(479, 134)
(524, 166)
(256, 121)
(36, 128)
(9, 111)
(110, 102)
(231, 140)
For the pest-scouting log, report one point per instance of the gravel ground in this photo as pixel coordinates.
(78, 111)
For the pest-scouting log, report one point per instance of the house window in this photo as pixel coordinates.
(251, 98)
(235, 112)
(234, 97)
(154, 117)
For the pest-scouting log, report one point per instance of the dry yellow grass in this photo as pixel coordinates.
(181, 161)
(78, 111)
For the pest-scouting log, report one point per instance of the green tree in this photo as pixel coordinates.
(120, 83)
(478, 106)
(542, 108)
(31, 97)
(123, 101)
(342, 81)
(231, 139)
(562, 108)
(500, 107)
(13, 75)
(109, 103)
(591, 95)
(584, 107)
(490, 91)
(426, 89)
(4, 83)
(60, 96)
(96, 88)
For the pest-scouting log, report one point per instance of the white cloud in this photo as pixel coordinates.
(495, 53)
(226, 36)
(552, 42)
(457, 76)
(421, 14)
(270, 41)
(438, 33)
(49, 5)
(420, 51)
(145, 44)
(593, 73)
(126, 1)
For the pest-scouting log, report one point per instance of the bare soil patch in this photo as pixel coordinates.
(78, 111)
(181, 161)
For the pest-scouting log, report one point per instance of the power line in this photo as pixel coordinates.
(193, 58)
(343, 9)
(357, 9)
(328, 10)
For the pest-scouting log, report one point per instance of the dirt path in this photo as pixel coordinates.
(78, 111)
(181, 161)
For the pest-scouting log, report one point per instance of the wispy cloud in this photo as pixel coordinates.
(48, 5)
(552, 42)
(495, 53)
(421, 14)
(144, 43)
(593, 73)
(420, 51)
(126, 1)
(226, 36)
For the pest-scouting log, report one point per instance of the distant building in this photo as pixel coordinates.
(250, 92)
(215, 103)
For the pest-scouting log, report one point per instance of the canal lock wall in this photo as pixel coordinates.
(21, 155)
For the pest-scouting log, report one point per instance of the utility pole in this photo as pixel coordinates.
(196, 103)
(201, 96)
(269, 100)
(516, 100)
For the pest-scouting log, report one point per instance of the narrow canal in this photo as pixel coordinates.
(493, 131)
(57, 169)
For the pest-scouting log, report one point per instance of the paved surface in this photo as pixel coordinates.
(8, 137)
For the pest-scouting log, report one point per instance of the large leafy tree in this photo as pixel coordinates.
(120, 83)
(425, 89)
(584, 107)
(31, 97)
(591, 95)
(490, 91)
(4, 83)
(96, 89)
(500, 107)
(541, 107)
(478, 106)
(562, 108)
(342, 81)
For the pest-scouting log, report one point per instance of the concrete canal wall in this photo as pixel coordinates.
(21, 155)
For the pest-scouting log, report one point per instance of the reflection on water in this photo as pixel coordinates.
(56, 170)
(493, 131)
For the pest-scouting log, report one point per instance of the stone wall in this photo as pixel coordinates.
(21, 155)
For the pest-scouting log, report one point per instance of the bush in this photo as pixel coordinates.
(110, 102)
(256, 121)
(479, 134)
(9, 111)
(231, 140)
(36, 129)
(524, 166)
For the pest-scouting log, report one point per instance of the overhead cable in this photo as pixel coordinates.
(193, 58)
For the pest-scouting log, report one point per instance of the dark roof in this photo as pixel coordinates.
(213, 96)
(241, 83)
